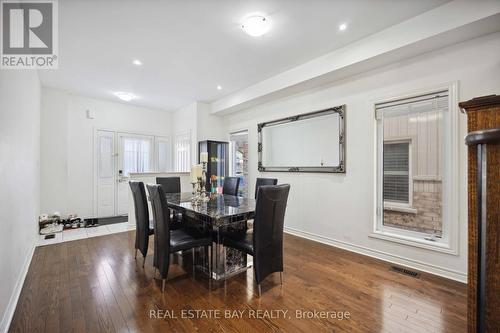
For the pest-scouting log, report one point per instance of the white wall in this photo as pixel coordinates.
(184, 121)
(19, 182)
(196, 119)
(67, 144)
(337, 208)
(210, 127)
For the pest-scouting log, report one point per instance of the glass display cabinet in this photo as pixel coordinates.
(217, 166)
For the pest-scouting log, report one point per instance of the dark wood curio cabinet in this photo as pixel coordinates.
(218, 162)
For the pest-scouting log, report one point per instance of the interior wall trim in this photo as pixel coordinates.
(395, 259)
(14, 297)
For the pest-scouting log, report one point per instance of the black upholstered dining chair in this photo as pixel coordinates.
(264, 181)
(265, 243)
(142, 227)
(231, 185)
(168, 241)
(172, 185)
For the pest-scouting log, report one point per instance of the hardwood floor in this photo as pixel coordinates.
(95, 285)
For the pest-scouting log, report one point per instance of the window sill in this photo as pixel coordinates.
(408, 210)
(414, 241)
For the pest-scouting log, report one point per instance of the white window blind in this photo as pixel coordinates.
(182, 152)
(423, 103)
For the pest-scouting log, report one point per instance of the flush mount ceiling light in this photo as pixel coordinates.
(137, 62)
(219, 88)
(256, 25)
(343, 26)
(125, 96)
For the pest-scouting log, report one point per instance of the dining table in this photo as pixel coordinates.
(217, 215)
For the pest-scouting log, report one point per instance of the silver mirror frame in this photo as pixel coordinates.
(340, 110)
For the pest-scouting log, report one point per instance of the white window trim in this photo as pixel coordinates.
(403, 205)
(399, 208)
(451, 218)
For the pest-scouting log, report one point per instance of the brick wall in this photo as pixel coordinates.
(427, 202)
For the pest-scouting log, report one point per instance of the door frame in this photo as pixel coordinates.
(95, 130)
(231, 157)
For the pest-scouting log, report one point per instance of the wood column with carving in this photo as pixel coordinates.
(483, 117)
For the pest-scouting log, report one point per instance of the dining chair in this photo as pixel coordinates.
(265, 242)
(264, 181)
(231, 185)
(258, 183)
(169, 241)
(142, 224)
(172, 185)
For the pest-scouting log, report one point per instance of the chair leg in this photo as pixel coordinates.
(259, 289)
(281, 277)
(135, 257)
(204, 262)
(193, 250)
(225, 261)
(163, 285)
(224, 266)
(216, 258)
(210, 267)
(144, 262)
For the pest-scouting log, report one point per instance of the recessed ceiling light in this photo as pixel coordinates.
(137, 62)
(125, 96)
(256, 25)
(343, 26)
(219, 88)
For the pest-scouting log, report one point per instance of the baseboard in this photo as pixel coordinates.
(395, 259)
(14, 298)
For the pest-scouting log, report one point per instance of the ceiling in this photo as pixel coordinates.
(190, 47)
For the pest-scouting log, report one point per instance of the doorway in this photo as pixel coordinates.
(118, 154)
(239, 159)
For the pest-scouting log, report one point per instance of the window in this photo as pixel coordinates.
(136, 155)
(415, 170)
(239, 160)
(163, 156)
(397, 172)
(182, 152)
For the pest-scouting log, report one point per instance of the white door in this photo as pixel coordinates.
(106, 180)
(135, 154)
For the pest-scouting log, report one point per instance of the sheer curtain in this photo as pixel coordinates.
(163, 155)
(136, 155)
(182, 152)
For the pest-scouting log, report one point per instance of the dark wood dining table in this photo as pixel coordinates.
(222, 213)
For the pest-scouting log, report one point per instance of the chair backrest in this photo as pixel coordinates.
(231, 185)
(141, 216)
(268, 229)
(161, 217)
(264, 181)
(170, 184)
